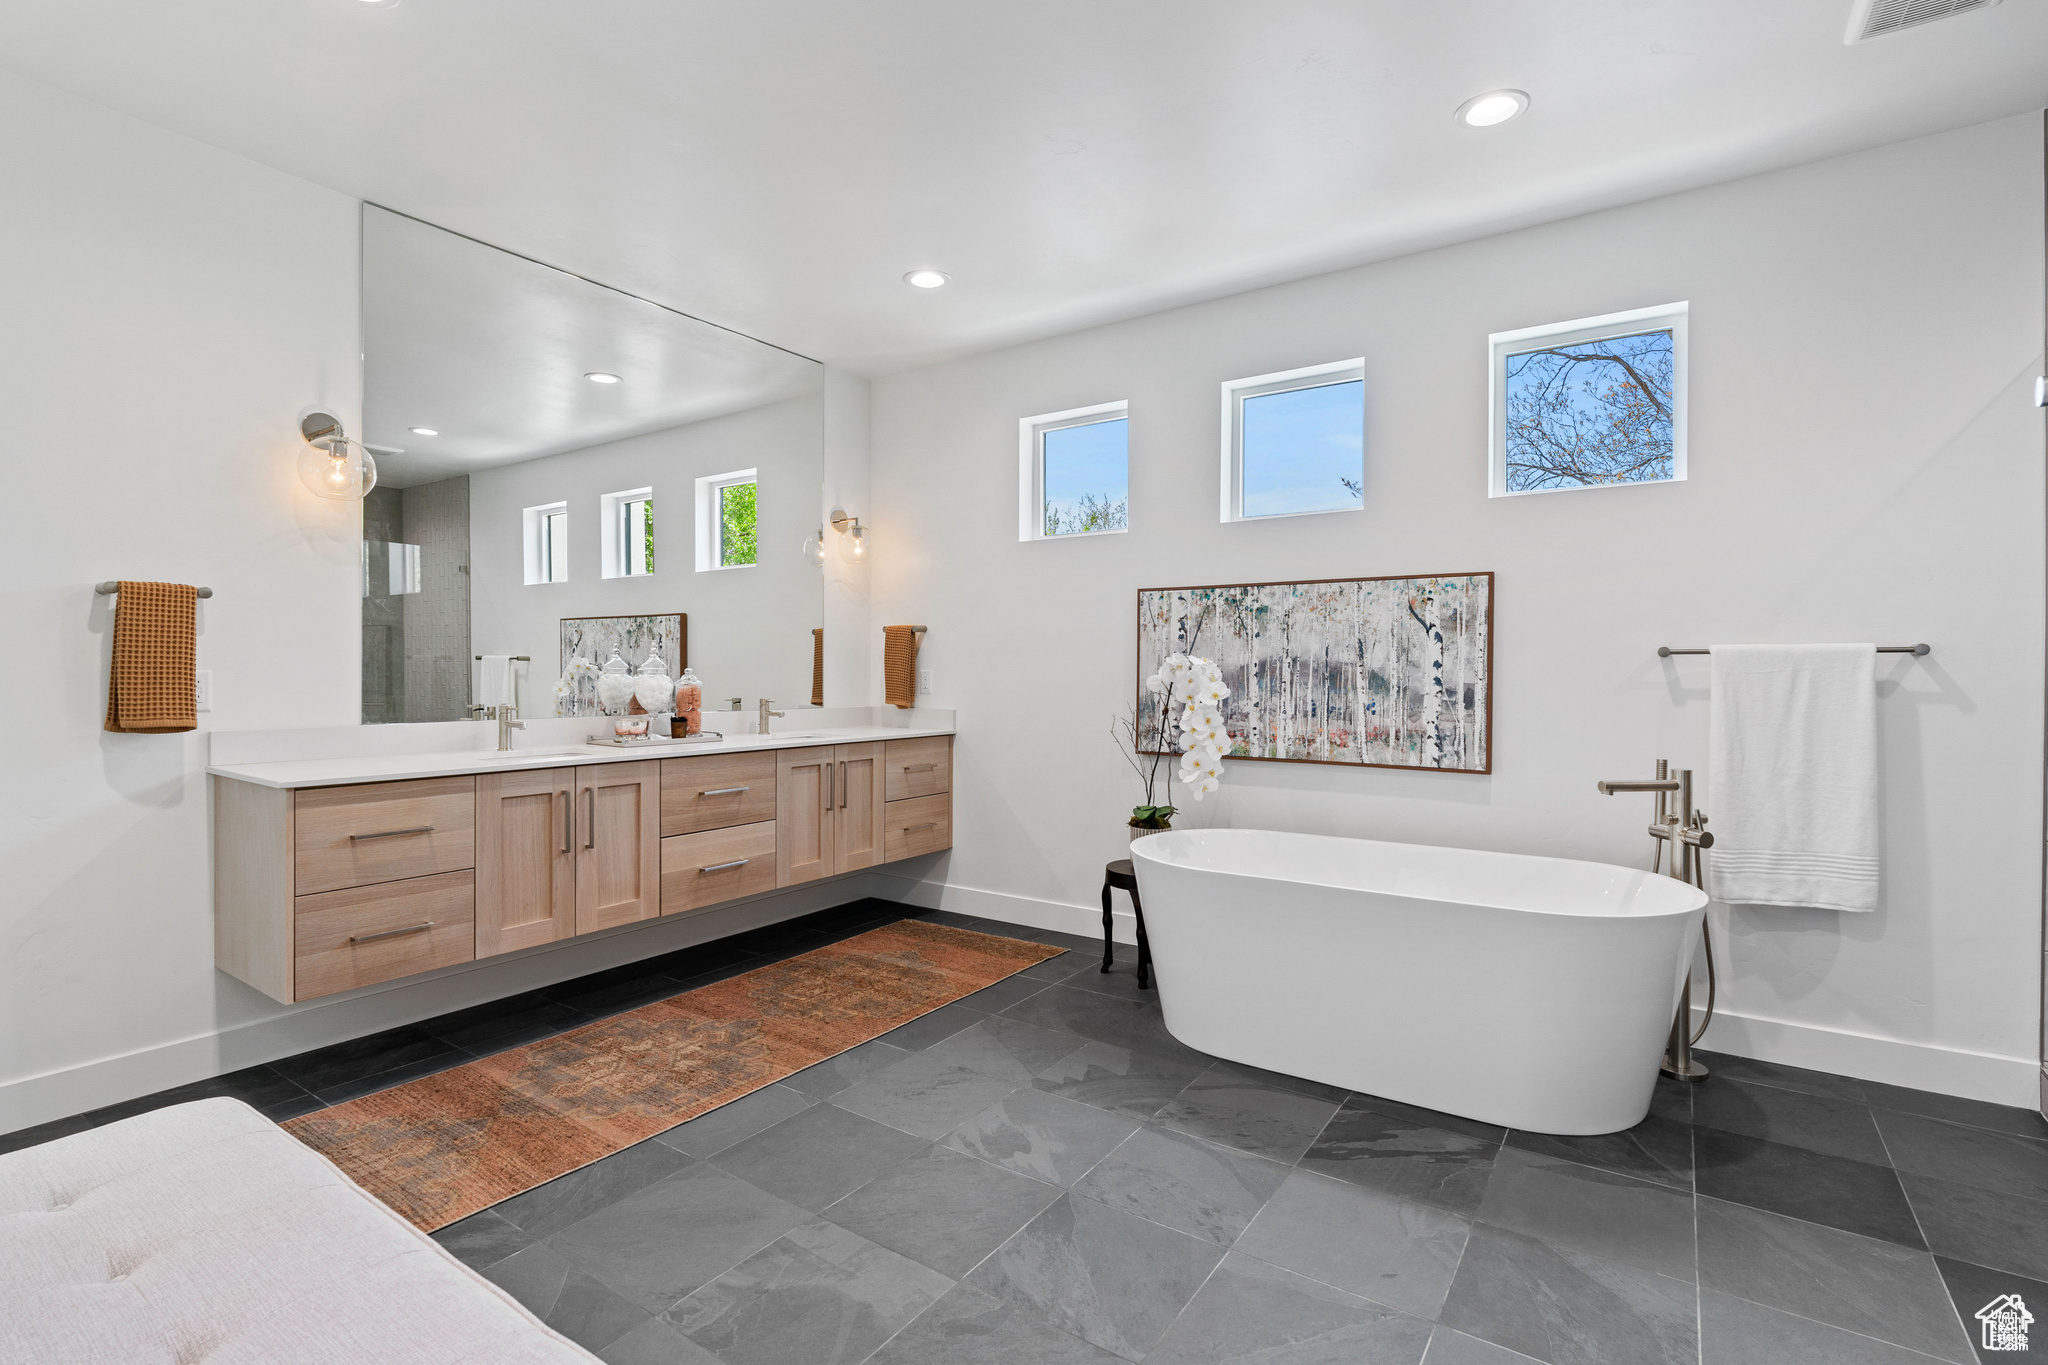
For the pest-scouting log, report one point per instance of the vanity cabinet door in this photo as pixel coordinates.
(805, 809)
(857, 835)
(525, 859)
(618, 844)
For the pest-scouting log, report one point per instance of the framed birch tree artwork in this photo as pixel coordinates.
(1377, 672)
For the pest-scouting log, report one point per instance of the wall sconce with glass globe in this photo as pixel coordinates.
(332, 465)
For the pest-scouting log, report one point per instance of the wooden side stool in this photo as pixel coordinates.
(1121, 875)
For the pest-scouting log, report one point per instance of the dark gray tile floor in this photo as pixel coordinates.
(1041, 1175)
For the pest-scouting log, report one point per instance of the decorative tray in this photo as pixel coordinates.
(653, 741)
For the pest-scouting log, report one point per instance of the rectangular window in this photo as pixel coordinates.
(728, 520)
(1589, 404)
(1073, 472)
(1294, 442)
(547, 543)
(628, 533)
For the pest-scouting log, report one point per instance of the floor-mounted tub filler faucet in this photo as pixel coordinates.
(1684, 830)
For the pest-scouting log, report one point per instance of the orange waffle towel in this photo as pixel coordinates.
(817, 665)
(899, 665)
(150, 691)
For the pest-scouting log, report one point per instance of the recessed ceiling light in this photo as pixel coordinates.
(423, 431)
(1495, 106)
(927, 279)
(600, 377)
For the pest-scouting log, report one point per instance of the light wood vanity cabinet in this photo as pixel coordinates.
(618, 847)
(828, 814)
(525, 858)
(382, 831)
(326, 889)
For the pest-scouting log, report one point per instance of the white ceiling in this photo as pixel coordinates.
(490, 351)
(777, 165)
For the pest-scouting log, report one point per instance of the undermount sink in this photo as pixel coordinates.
(797, 734)
(499, 756)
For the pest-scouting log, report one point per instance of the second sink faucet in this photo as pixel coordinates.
(765, 713)
(506, 725)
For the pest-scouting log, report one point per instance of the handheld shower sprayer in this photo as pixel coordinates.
(1684, 830)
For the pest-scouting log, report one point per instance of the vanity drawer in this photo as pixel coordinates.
(382, 832)
(923, 824)
(716, 791)
(366, 934)
(697, 870)
(918, 767)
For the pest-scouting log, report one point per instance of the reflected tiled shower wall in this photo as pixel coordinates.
(416, 659)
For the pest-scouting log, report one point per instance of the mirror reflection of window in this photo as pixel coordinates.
(404, 561)
(737, 519)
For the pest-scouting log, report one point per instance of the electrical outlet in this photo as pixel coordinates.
(202, 689)
(924, 682)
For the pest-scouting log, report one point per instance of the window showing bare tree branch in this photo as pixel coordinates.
(1596, 412)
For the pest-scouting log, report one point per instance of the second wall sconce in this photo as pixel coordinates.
(857, 546)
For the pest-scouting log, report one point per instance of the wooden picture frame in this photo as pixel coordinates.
(595, 637)
(1338, 670)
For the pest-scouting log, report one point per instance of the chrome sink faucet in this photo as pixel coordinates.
(765, 713)
(506, 725)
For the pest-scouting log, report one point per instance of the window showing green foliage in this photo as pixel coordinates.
(736, 524)
(647, 535)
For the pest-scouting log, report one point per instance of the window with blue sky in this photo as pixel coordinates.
(1086, 477)
(1302, 450)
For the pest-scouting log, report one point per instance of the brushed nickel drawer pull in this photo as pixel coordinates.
(389, 933)
(843, 787)
(568, 819)
(921, 768)
(392, 833)
(590, 838)
(720, 867)
(725, 791)
(912, 829)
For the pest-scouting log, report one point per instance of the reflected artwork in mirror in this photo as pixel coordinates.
(518, 495)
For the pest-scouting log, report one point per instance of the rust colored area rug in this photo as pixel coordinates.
(442, 1147)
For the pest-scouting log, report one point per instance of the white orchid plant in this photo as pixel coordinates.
(1190, 691)
(569, 687)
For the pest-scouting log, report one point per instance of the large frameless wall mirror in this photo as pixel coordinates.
(553, 450)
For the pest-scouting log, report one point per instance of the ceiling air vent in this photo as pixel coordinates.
(1875, 18)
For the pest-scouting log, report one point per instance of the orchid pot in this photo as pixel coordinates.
(1150, 820)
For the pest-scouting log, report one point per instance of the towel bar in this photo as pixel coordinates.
(111, 586)
(1918, 651)
(515, 658)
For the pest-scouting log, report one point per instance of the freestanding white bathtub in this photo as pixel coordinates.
(1534, 993)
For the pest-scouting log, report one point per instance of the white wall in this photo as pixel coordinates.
(1866, 465)
(749, 628)
(171, 311)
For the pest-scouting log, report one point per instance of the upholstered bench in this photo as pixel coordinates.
(205, 1233)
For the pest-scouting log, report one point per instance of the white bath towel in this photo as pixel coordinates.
(494, 680)
(1794, 797)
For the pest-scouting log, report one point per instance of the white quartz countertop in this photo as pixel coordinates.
(336, 772)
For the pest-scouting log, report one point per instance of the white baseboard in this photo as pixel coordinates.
(2016, 1081)
(56, 1094)
(1951, 1071)
(1037, 914)
(37, 1099)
